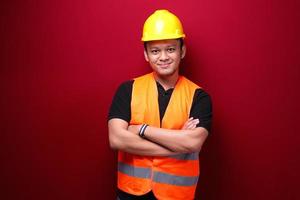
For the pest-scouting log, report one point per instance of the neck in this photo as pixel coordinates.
(167, 81)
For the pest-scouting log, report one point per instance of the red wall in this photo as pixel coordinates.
(62, 60)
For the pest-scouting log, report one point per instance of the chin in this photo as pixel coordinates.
(165, 73)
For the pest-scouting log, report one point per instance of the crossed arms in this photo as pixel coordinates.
(157, 141)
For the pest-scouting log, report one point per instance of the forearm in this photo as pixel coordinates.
(180, 141)
(122, 139)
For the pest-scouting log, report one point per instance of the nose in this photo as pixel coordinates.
(164, 56)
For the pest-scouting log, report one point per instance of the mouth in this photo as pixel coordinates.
(164, 65)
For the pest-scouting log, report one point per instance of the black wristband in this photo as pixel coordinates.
(142, 130)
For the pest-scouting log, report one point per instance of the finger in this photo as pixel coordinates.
(191, 125)
(187, 122)
(195, 121)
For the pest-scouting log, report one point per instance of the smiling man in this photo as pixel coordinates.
(158, 122)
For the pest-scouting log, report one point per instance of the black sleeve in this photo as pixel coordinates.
(202, 109)
(120, 107)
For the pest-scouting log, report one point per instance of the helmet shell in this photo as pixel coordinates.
(162, 25)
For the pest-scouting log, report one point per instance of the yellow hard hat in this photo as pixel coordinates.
(162, 25)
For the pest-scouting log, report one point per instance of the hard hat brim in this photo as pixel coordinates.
(147, 39)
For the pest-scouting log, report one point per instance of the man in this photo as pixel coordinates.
(159, 121)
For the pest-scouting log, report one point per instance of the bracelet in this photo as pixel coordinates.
(142, 130)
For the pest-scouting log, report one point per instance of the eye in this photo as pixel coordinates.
(171, 49)
(154, 51)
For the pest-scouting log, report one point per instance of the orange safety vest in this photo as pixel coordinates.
(171, 177)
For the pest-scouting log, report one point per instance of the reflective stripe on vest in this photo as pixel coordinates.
(186, 156)
(161, 177)
(141, 172)
(171, 177)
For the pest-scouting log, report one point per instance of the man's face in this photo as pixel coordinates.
(164, 56)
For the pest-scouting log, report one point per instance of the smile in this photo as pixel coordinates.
(165, 65)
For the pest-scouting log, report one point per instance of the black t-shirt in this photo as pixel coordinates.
(120, 108)
(201, 107)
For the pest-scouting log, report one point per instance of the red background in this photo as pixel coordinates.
(62, 60)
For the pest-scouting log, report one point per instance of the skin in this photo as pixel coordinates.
(164, 57)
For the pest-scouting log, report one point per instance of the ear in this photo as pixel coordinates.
(183, 51)
(146, 55)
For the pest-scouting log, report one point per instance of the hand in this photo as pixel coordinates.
(190, 124)
(134, 128)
